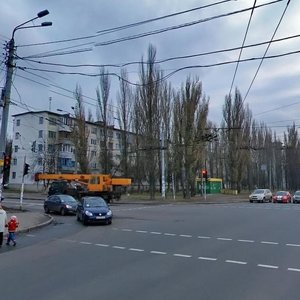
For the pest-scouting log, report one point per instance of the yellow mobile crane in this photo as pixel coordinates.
(93, 184)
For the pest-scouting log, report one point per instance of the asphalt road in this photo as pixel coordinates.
(231, 251)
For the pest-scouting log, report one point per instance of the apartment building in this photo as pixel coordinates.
(43, 140)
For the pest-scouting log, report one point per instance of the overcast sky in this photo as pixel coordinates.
(273, 98)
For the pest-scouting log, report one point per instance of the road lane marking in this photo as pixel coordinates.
(128, 230)
(204, 237)
(182, 255)
(186, 235)
(141, 231)
(170, 234)
(86, 243)
(102, 245)
(136, 249)
(119, 247)
(269, 243)
(236, 262)
(224, 239)
(158, 252)
(155, 232)
(207, 258)
(267, 266)
(246, 241)
(294, 269)
(31, 235)
(293, 245)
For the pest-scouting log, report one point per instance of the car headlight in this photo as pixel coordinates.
(68, 206)
(88, 213)
(109, 213)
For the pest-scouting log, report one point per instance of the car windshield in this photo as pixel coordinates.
(68, 199)
(258, 191)
(297, 193)
(281, 193)
(95, 202)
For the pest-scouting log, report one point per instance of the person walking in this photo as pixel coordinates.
(12, 226)
(3, 219)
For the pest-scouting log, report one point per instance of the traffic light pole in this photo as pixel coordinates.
(22, 186)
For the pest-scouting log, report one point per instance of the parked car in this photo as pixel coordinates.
(93, 210)
(261, 195)
(296, 197)
(63, 204)
(71, 188)
(282, 196)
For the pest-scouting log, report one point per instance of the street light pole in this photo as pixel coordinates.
(8, 83)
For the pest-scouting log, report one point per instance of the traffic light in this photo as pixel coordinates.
(6, 163)
(204, 174)
(26, 169)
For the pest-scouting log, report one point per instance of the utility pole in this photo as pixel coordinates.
(163, 179)
(8, 83)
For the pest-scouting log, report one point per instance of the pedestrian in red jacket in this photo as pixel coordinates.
(12, 226)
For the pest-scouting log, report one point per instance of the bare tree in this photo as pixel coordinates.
(80, 133)
(105, 116)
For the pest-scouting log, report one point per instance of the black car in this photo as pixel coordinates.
(93, 210)
(71, 188)
(63, 204)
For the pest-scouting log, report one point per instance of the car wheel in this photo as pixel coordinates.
(46, 209)
(63, 212)
(251, 201)
(84, 221)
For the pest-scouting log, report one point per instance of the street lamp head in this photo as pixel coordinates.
(43, 13)
(46, 24)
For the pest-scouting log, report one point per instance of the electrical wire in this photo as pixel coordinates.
(265, 53)
(241, 50)
(114, 29)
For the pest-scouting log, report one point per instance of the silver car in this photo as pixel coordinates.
(261, 195)
(296, 197)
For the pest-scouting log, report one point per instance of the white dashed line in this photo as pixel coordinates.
(86, 243)
(267, 266)
(236, 262)
(158, 252)
(224, 239)
(207, 258)
(170, 234)
(246, 241)
(136, 249)
(119, 247)
(204, 237)
(269, 243)
(155, 232)
(182, 255)
(293, 269)
(142, 231)
(125, 229)
(30, 235)
(185, 235)
(293, 245)
(102, 245)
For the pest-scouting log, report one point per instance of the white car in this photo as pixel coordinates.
(261, 195)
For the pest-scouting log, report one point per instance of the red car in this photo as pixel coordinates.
(282, 196)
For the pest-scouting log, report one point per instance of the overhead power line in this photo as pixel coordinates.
(123, 27)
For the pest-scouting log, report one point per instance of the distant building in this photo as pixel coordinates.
(43, 140)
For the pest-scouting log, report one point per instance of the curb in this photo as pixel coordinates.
(24, 230)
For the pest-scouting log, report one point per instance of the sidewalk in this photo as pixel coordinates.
(30, 220)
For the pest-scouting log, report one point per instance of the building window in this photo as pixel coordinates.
(16, 148)
(118, 135)
(14, 175)
(93, 142)
(40, 161)
(110, 146)
(51, 148)
(93, 153)
(17, 136)
(15, 161)
(18, 122)
(94, 130)
(41, 120)
(40, 133)
(51, 134)
(52, 121)
(40, 147)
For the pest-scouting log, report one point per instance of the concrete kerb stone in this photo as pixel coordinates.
(36, 226)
